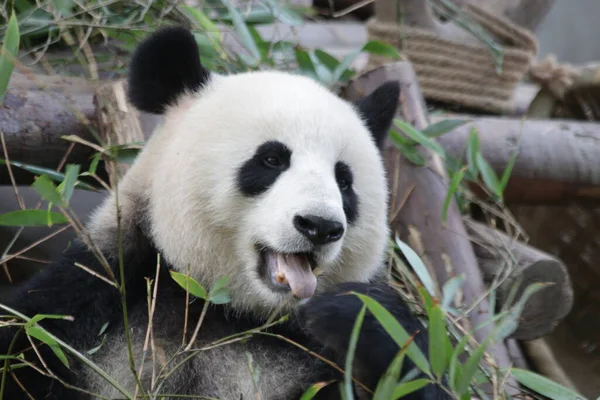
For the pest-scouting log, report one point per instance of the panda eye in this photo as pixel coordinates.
(344, 184)
(272, 162)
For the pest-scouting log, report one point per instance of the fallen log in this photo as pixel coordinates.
(418, 195)
(558, 161)
(37, 111)
(520, 264)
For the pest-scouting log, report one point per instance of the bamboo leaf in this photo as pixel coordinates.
(219, 294)
(489, 176)
(42, 336)
(387, 384)
(189, 284)
(438, 342)
(450, 288)
(396, 331)
(545, 386)
(313, 390)
(71, 174)
(472, 151)
(470, 367)
(348, 393)
(32, 218)
(454, 183)
(417, 264)
(8, 54)
(443, 127)
(44, 186)
(420, 138)
(407, 388)
(239, 25)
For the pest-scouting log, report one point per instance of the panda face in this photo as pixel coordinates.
(270, 179)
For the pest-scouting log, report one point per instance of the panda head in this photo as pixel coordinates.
(266, 177)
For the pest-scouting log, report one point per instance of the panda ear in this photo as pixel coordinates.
(163, 67)
(378, 110)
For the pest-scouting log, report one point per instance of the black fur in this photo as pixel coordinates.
(65, 289)
(162, 67)
(378, 110)
(330, 317)
(261, 171)
(323, 325)
(343, 176)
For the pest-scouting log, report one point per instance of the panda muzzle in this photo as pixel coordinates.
(294, 270)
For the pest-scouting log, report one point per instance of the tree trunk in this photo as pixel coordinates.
(558, 161)
(545, 308)
(38, 110)
(416, 205)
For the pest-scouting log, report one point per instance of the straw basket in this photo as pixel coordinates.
(458, 73)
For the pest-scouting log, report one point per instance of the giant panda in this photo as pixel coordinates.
(265, 177)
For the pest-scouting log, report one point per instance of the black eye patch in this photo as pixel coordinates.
(344, 178)
(261, 171)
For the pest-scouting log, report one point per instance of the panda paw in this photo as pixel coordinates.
(329, 317)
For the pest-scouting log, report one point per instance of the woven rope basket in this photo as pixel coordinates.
(463, 74)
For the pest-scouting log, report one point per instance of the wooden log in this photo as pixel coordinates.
(543, 360)
(118, 122)
(37, 111)
(497, 253)
(558, 161)
(417, 199)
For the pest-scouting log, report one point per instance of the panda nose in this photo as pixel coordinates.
(319, 230)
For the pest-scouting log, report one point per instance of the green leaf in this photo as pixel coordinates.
(39, 317)
(472, 151)
(203, 20)
(327, 59)
(41, 335)
(396, 331)
(409, 151)
(426, 298)
(443, 127)
(418, 266)
(32, 218)
(420, 138)
(488, 175)
(305, 63)
(44, 186)
(8, 54)
(510, 323)
(239, 25)
(348, 393)
(455, 369)
(387, 384)
(52, 174)
(438, 342)
(406, 388)
(454, 183)
(450, 288)
(381, 49)
(313, 390)
(284, 14)
(545, 386)
(189, 284)
(471, 366)
(509, 168)
(71, 174)
(219, 294)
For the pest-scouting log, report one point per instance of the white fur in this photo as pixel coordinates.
(198, 217)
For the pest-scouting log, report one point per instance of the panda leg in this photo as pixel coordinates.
(329, 318)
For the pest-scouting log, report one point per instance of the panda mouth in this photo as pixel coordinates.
(284, 272)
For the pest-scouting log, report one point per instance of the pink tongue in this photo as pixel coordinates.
(298, 273)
